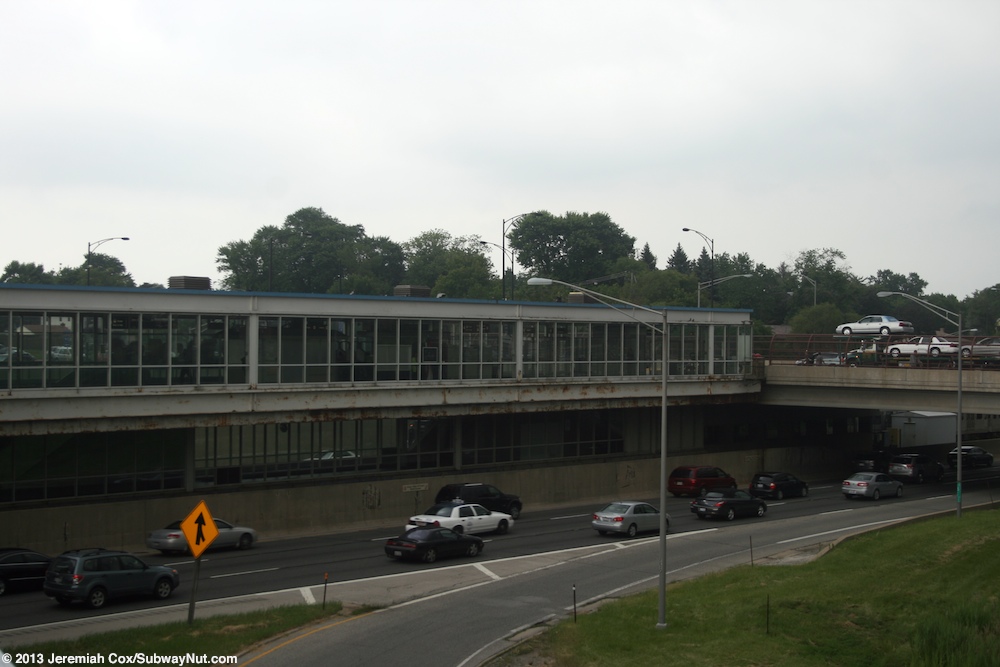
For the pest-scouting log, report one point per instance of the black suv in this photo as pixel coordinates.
(94, 576)
(486, 495)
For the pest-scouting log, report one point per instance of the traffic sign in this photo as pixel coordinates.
(200, 530)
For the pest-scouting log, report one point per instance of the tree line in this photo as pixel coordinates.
(313, 252)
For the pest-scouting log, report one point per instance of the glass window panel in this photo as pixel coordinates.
(364, 350)
(409, 348)
(184, 343)
(60, 329)
(451, 349)
(340, 341)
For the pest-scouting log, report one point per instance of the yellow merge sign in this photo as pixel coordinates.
(200, 530)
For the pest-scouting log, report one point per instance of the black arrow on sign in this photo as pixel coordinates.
(199, 537)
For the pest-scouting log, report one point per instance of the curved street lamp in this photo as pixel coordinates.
(947, 315)
(662, 617)
(711, 249)
(505, 227)
(507, 253)
(93, 245)
(718, 281)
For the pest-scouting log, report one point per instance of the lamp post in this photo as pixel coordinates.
(711, 249)
(505, 227)
(947, 315)
(813, 282)
(662, 615)
(503, 276)
(713, 283)
(93, 245)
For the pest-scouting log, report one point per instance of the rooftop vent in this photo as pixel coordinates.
(411, 290)
(189, 282)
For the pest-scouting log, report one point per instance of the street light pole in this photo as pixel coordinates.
(711, 248)
(93, 245)
(947, 315)
(506, 252)
(507, 224)
(813, 282)
(713, 283)
(662, 609)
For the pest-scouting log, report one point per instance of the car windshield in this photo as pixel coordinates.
(442, 509)
(616, 508)
(681, 472)
(419, 535)
(62, 565)
(862, 476)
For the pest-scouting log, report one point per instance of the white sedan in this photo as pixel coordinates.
(463, 518)
(882, 325)
(931, 345)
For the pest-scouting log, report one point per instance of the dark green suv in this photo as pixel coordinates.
(94, 576)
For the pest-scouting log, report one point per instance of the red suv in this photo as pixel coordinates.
(698, 480)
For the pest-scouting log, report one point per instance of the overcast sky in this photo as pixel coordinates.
(772, 127)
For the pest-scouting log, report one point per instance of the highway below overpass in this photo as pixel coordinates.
(461, 611)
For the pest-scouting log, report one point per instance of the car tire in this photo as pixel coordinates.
(760, 510)
(847, 496)
(430, 556)
(935, 352)
(894, 353)
(699, 516)
(472, 551)
(884, 331)
(163, 589)
(899, 491)
(502, 527)
(97, 598)
(846, 331)
(246, 541)
(633, 530)
(515, 512)
(731, 514)
(458, 529)
(920, 478)
(779, 495)
(64, 602)
(805, 491)
(602, 532)
(876, 495)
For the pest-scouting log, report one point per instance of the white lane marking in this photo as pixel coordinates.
(569, 516)
(240, 574)
(307, 595)
(841, 530)
(849, 509)
(489, 573)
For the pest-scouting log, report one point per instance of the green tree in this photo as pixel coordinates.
(647, 257)
(572, 248)
(679, 261)
(819, 319)
(312, 253)
(26, 274)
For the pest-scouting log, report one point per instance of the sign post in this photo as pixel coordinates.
(200, 531)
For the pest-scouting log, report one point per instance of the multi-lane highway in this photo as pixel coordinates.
(522, 578)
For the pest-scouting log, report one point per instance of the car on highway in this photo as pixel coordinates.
(627, 517)
(94, 576)
(935, 346)
(777, 485)
(698, 480)
(917, 468)
(872, 485)
(883, 325)
(821, 359)
(486, 495)
(872, 460)
(727, 504)
(462, 518)
(429, 544)
(171, 539)
(972, 457)
(984, 347)
(21, 569)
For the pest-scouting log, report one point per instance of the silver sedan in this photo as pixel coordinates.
(171, 539)
(872, 485)
(627, 517)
